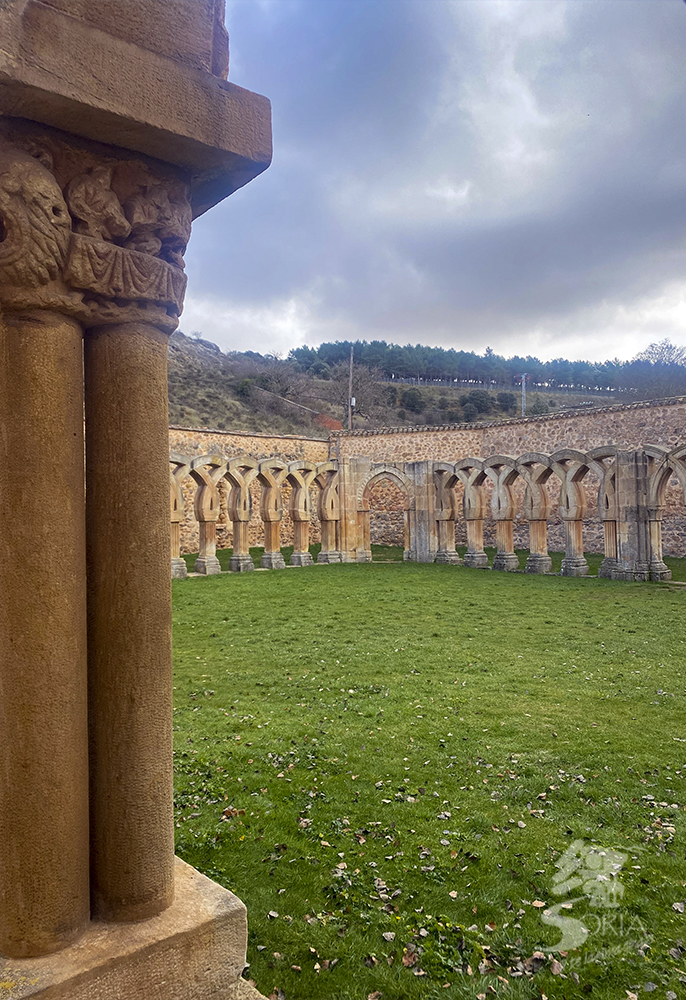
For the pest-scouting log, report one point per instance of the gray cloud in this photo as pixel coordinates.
(465, 173)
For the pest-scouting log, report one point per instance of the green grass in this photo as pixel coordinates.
(394, 553)
(408, 750)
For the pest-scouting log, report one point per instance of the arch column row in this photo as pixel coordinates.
(208, 471)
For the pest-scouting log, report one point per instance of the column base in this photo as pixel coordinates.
(658, 572)
(179, 570)
(241, 564)
(446, 557)
(272, 560)
(329, 557)
(537, 563)
(506, 561)
(639, 573)
(364, 556)
(301, 559)
(194, 950)
(608, 568)
(476, 560)
(207, 565)
(574, 566)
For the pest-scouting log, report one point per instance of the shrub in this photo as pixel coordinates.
(413, 400)
(538, 406)
(506, 400)
(470, 411)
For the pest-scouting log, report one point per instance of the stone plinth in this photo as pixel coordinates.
(193, 949)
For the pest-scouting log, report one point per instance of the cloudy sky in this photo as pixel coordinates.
(463, 173)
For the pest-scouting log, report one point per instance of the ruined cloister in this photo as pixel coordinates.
(608, 498)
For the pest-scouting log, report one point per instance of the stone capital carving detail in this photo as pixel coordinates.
(97, 237)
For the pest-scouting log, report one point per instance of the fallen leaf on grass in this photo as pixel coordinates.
(453, 894)
(296, 968)
(376, 995)
(370, 961)
(272, 914)
(538, 903)
(409, 959)
(679, 907)
(555, 967)
(388, 935)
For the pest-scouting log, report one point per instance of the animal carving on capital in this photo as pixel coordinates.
(35, 224)
(93, 235)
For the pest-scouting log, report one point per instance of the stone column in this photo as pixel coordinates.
(538, 560)
(129, 622)
(300, 515)
(44, 901)
(422, 544)
(179, 570)
(240, 509)
(329, 519)
(271, 512)
(659, 571)
(475, 557)
(505, 557)
(572, 512)
(474, 508)
(364, 550)
(634, 554)
(206, 513)
(609, 563)
(444, 510)
(536, 511)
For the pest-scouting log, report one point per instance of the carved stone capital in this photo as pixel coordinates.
(90, 232)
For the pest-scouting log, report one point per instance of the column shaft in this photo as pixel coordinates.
(241, 560)
(207, 562)
(505, 557)
(574, 562)
(272, 557)
(475, 557)
(301, 544)
(129, 621)
(538, 560)
(43, 688)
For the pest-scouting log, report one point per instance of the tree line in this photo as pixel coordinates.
(660, 370)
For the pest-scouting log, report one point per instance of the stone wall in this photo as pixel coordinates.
(192, 441)
(661, 422)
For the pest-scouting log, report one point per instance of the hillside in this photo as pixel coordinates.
(307, 396)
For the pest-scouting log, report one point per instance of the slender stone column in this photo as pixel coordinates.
(43, 704)
(329, 552)
(574, 562)
(538, 560)
(179, 570)
(207, 562)
(129, 622)
(206, 513)
(609, 563)
(301, 541)
(505, 557)
(475, 557)
(659, 571)
(241, 560)
(446, 541)
(272, 557)
(364, 554)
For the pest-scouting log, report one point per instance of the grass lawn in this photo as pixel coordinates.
(392, 765)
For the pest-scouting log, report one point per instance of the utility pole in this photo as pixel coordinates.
(524, 377)
(351, 399)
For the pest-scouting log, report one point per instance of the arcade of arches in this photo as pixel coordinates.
(623, 500)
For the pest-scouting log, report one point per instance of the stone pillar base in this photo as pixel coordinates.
(640, 575)
(301, 559)
(241, 564)
(179, 570)
(574, 566)
(364, 556)
(272, 560)
(658, 572)
(506, 561)
(608, 568)
(329, 557)
(446, 557)
(476, 560)
(537, 563)
(194, 950)
(208, 565)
